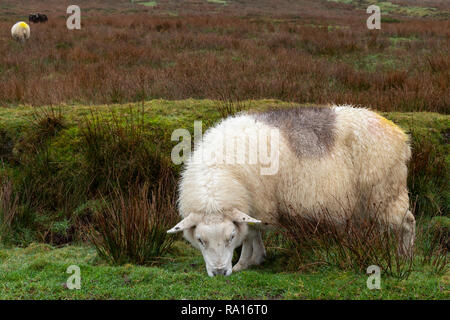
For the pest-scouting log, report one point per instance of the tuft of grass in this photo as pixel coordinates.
(45, 124)
(132, 227)
(41, 184)
(6, 146)
(434, 242)
(148, 3)
(355, 244)
(9, 208)
(228, 106)
(118, 151)
(428, 175)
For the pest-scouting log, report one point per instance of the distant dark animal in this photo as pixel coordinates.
(37, 17)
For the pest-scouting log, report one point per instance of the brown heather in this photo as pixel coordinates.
(307, 52)
(355, 244)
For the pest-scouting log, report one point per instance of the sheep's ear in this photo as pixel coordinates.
(188, 222)
(239, 216)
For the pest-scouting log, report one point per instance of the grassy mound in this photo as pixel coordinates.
(39, 272)
(61, 159)
(59, 165)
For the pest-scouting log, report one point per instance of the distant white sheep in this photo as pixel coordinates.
(20, 31)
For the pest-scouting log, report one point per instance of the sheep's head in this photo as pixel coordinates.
(216, 236)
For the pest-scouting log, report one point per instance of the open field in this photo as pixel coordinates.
(39, 272)
(306, 52)
(86, 119)
(180, 274)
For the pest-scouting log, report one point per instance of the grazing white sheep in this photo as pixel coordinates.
(336, 158)
(20, 31)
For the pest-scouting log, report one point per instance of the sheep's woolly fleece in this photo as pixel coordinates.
(328, 158)
(20, 31)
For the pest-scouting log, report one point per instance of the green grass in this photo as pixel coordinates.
(419, 11)
(39, 272)
(373, 62)
(388, 7)
(218, 1)
(148, 3)
(401, 40)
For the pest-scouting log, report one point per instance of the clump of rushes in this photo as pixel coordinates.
(130, 226)
(434, 241)
(9, 207)
(228, 106)
(355, 243)
(41, 183)
(429, 175)
(45, 124)
(119, 150)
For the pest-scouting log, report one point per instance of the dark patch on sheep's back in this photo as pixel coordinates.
(310, 131)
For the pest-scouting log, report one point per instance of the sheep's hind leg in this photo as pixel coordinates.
(402, 221)
(408, 234)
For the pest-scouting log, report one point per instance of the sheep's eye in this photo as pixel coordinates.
(201, 241)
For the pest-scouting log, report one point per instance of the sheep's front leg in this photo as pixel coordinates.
(253, 251)
(246, 254)
(259, 252)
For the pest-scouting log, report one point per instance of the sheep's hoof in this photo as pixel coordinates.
(239, 267)
(257, 261)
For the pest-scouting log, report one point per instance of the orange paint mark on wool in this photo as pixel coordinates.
(387, 125)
